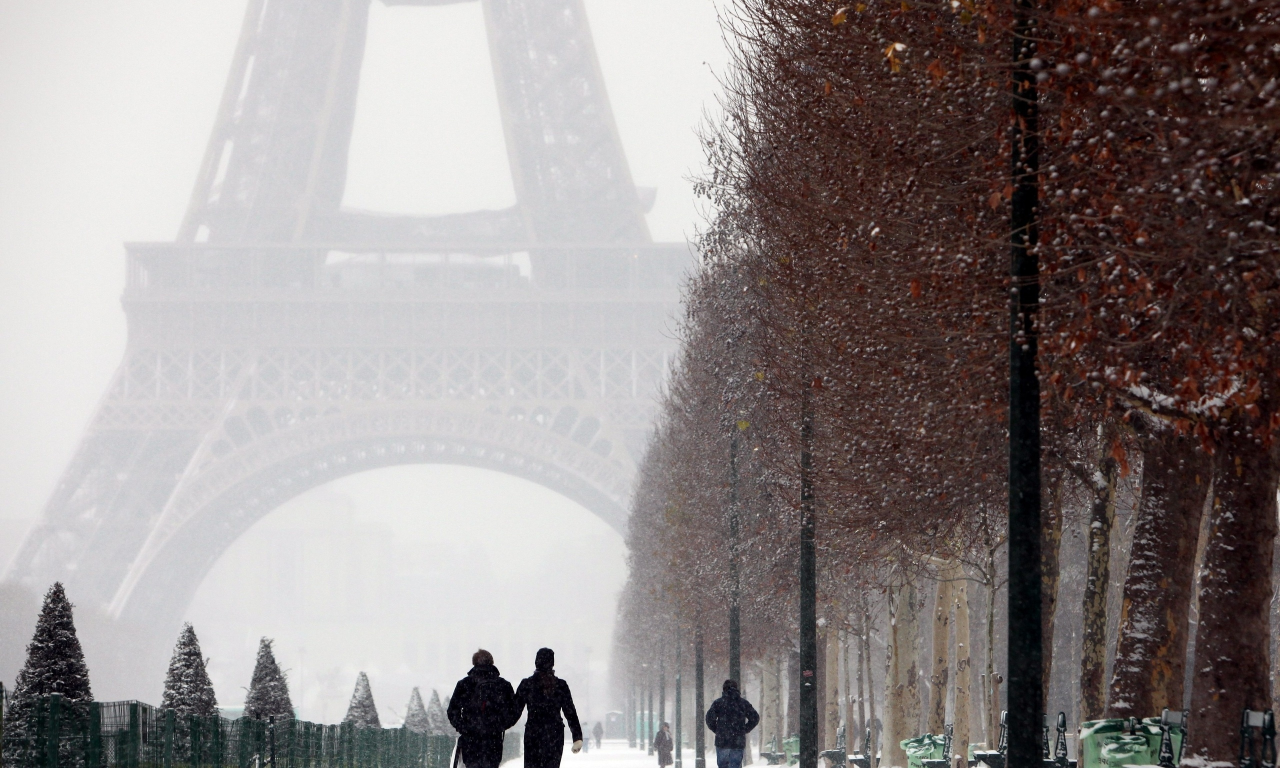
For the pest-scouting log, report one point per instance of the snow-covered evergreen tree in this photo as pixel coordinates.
(268, 691)
(362, 711)
(438, 717)
(415, 715)
(55, 664)
(187, 687)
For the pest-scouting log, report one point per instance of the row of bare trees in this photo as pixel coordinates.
(848, 325)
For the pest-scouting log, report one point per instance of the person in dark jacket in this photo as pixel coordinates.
(546, 696)
(731, 718)
(662, 745)
(598, 732)
(482, 708)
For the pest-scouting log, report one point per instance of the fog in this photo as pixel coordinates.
(107, 111)
(401, 572)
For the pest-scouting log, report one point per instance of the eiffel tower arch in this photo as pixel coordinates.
(281, 341)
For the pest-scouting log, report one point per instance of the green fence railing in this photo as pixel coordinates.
(130, 734)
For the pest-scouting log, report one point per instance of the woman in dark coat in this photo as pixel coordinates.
(546, 696)
(663, 746)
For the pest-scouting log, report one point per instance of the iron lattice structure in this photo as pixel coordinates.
(282, 342)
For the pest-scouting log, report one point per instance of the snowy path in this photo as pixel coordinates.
(615, 754)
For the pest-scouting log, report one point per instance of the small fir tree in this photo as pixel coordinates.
(55, 664)
(268, 691)
(362, 711)
(187, 687)
(438, 717)
(415, 717)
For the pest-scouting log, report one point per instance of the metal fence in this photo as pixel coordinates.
(130, 734)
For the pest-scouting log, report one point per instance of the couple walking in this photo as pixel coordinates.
(730, 718)
(484, 706)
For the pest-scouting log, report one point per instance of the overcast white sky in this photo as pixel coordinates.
(105, 109)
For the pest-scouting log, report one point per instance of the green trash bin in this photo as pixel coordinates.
(926, 747)
(1110, 744)
(1151, 729)
(791, 746)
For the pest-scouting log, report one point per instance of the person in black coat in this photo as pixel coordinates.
(482, 708)
(662, 744)
(546, 696)
(731, 718)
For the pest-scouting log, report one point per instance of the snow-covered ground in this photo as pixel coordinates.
(616, 754)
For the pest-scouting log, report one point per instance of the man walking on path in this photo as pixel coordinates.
(482, 708)
(598, 732)
(662, 745)
(731, 718)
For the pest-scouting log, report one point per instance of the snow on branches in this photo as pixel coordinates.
(187, 688)
(857, 264)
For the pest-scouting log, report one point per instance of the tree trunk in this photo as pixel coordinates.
(831, 688)
(793, 694)
(773, 699)
(848, 697)
(871, 680)
(964, 674)
(1232, 638)
(1093, 654)
(998, 713)
(861, 682)
(1151, 651)
(940, 679)
(902, 720)
(893, 693)
(1275, 621)
(990, 690)
(1050, 575)
(822, 701)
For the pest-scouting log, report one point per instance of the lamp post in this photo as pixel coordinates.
(699, 727)
(1024, 638)
(735, 587)
(808, 591)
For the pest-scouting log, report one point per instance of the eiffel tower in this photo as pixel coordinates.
(281, 341)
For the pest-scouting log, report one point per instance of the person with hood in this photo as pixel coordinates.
(482, 708)
(731, 718)
(662, 744)
(598, 732)
(546, 696)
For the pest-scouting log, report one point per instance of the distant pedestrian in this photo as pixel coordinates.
(546, 696)
(482, 708)
(662, 745)
(731, 718)
(598, 732)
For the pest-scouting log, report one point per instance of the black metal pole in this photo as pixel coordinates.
(735, 610)
(808, 593)
(1025, 702)
(699, 711)
(679, 715)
